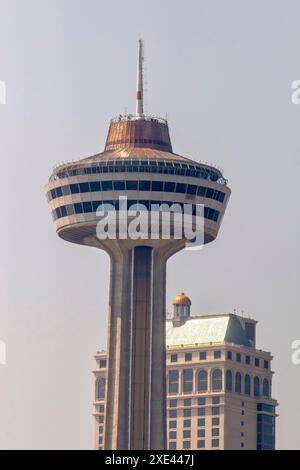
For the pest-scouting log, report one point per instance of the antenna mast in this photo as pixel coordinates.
(139, 110)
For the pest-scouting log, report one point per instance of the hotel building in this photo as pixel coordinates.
(219, 385)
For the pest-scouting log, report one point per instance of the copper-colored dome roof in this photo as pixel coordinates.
(182, 299)
(143, 138)
(137, 153)
(143, 131)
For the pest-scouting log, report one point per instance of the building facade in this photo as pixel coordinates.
(219, 386)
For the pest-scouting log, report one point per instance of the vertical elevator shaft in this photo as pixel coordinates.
(141, 351)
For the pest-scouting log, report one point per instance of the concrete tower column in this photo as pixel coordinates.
(135, 394)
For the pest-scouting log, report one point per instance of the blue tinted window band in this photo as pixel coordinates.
(91, 206)
(136, 185)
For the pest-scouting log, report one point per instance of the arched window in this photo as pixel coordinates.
(229, 381)
(217, 383)
(187, 381)
(238, 383)
(256, 387)
(202, 381)
(100, 388)
(266, 388)
(173, 382)
(247, 385)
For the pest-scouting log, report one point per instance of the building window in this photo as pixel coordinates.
(242, 423)
(215, 421)
(102, 363)
(201, 433)
(242, 412)
(101, 419)
(238, 383)
(229, 355)
(172, 413)
(100, 440)
(242, 434)
(201, 422)
(186, 423)
(217, 380)
(187, 402)
(101, 409)
(188, 357)
(172, 435)
(242, 445)
(215, 410)
(174, 357)
(266, 364)
(265, 432)
(133, 185)
(201, 411)
(100, 388)
(187, 378)
(266, 388)
(173, 424)
(215, 443)
(265, 407)
(215, 400)
(247, 360)
(215, 432)
(173, 381)
(201, 401)
(186, 434)
(173, 403)
(247, 385)
(238, 357)
(202, 356)
(187, 412)
(172, 445)
(256, 362)
(217, 354)
(169, 187)
(201, 444)
(256, 386)
(229, 381)
(186, 445)
(202, 381)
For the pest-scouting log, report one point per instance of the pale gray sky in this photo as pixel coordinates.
(223, 73)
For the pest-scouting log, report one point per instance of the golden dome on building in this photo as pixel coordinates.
(182, 299)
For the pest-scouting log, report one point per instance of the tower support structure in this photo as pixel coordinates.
(135, 399)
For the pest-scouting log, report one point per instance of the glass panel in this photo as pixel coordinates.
(202, 381)
(95, 186)
(217, 380)
(187, 378)
(173, 381)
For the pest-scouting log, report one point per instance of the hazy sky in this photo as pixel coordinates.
(222, 71)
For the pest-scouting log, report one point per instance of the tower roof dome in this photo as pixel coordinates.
(182, 299)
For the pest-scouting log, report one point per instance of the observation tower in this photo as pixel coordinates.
(137, 162)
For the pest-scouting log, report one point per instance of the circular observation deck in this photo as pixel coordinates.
(138, 162)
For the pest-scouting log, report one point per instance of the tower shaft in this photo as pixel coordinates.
(135, 395)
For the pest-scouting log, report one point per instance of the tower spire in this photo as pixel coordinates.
(139, 110)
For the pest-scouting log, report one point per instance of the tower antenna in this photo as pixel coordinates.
(139, 110)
